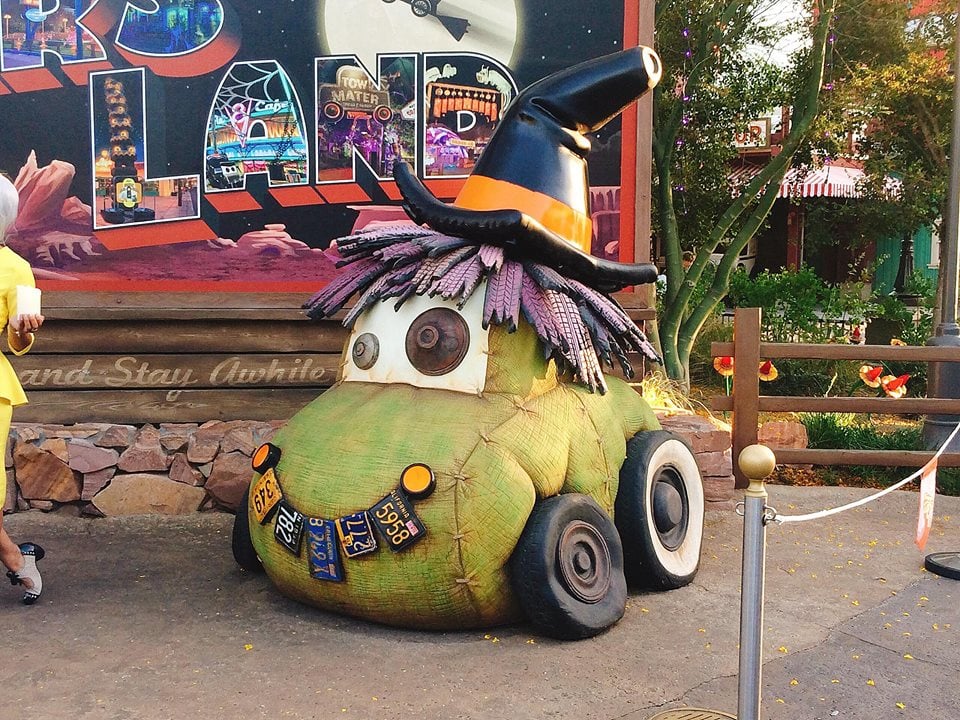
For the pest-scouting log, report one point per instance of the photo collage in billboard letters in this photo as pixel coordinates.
(222, 145)
(34, 28)
(365, 118)
(123, 191)
(465, 97)
(177, 26)
(256, 127)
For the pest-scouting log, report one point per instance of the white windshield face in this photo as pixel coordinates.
(428, 343)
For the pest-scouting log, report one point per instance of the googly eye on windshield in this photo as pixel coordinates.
(437, 341)
(427, 342)
(366, 350)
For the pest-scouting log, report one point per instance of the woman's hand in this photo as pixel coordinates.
(23, 324)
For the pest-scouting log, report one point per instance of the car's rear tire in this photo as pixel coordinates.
(243, 551)
(567, 568)
(421, 8)
(659, 511)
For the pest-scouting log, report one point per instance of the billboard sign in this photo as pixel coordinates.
(220, 145)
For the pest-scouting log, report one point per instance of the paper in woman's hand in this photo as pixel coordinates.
(28, 300)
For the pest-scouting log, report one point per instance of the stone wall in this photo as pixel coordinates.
(107, 470)
(103, 469)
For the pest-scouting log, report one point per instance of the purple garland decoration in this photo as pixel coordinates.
(581, 328)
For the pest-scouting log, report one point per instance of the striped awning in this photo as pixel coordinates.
(835, 181)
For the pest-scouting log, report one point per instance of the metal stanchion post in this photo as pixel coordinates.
(756, 462)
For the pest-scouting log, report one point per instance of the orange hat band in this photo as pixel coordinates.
(485, 193)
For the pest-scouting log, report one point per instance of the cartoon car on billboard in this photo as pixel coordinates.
(421, 8)
(353, 95)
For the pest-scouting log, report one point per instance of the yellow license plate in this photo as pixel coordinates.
(264, 495)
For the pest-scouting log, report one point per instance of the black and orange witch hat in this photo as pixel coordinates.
(529, 191)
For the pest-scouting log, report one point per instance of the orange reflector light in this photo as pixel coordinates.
(417, 480)
(265, 457)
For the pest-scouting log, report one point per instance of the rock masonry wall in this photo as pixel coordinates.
(99, 469)
(110, 470)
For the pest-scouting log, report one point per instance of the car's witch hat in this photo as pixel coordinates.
(529, 190)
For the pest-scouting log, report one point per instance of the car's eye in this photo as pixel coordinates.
(437, 341)
(366, 350)
(427, 342)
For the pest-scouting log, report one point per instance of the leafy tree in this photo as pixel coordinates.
(892, 91)
(714, 82)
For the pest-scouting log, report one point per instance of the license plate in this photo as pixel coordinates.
(264, 495)
(324, 554)
(356, 535)
(289, 528)
(397, 522)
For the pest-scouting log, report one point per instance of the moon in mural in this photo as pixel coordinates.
(367, 27)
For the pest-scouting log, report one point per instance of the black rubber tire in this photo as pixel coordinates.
(542, 555)
(661, 544)
(421, 8)
(944, 564)
(243, 551)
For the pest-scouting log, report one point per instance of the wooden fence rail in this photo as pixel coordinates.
(746, 403)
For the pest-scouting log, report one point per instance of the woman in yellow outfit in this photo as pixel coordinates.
(20, 560)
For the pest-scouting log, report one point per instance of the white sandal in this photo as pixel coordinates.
(31, 554)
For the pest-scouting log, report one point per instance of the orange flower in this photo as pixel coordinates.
(895, 387)
(767, 371)
(723, 365)
(870, 374)
(898, 342)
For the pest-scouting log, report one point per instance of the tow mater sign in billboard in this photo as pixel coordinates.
(221, 144)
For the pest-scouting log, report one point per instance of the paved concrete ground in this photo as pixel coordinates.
(148, 617)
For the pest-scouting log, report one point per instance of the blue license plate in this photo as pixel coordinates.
(324, 554)
(289, 528)
(397, 522)
(356, 534)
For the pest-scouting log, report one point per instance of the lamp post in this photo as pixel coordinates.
(943, 378)
(6, 25)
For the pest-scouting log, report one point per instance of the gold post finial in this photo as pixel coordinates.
(756, 462)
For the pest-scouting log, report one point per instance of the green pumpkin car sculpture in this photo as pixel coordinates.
(467, 468)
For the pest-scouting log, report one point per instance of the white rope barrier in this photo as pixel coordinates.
(779, 519)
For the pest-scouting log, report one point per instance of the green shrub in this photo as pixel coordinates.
(702, 373)
(798, 305)
(839, 431)
(852, 432)
(948, 481)
(913, 324)
(812, 377)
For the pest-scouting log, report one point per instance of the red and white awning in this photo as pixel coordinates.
(826, 181)
(836, 181)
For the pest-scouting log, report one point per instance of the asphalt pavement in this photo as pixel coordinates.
(149, 617)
